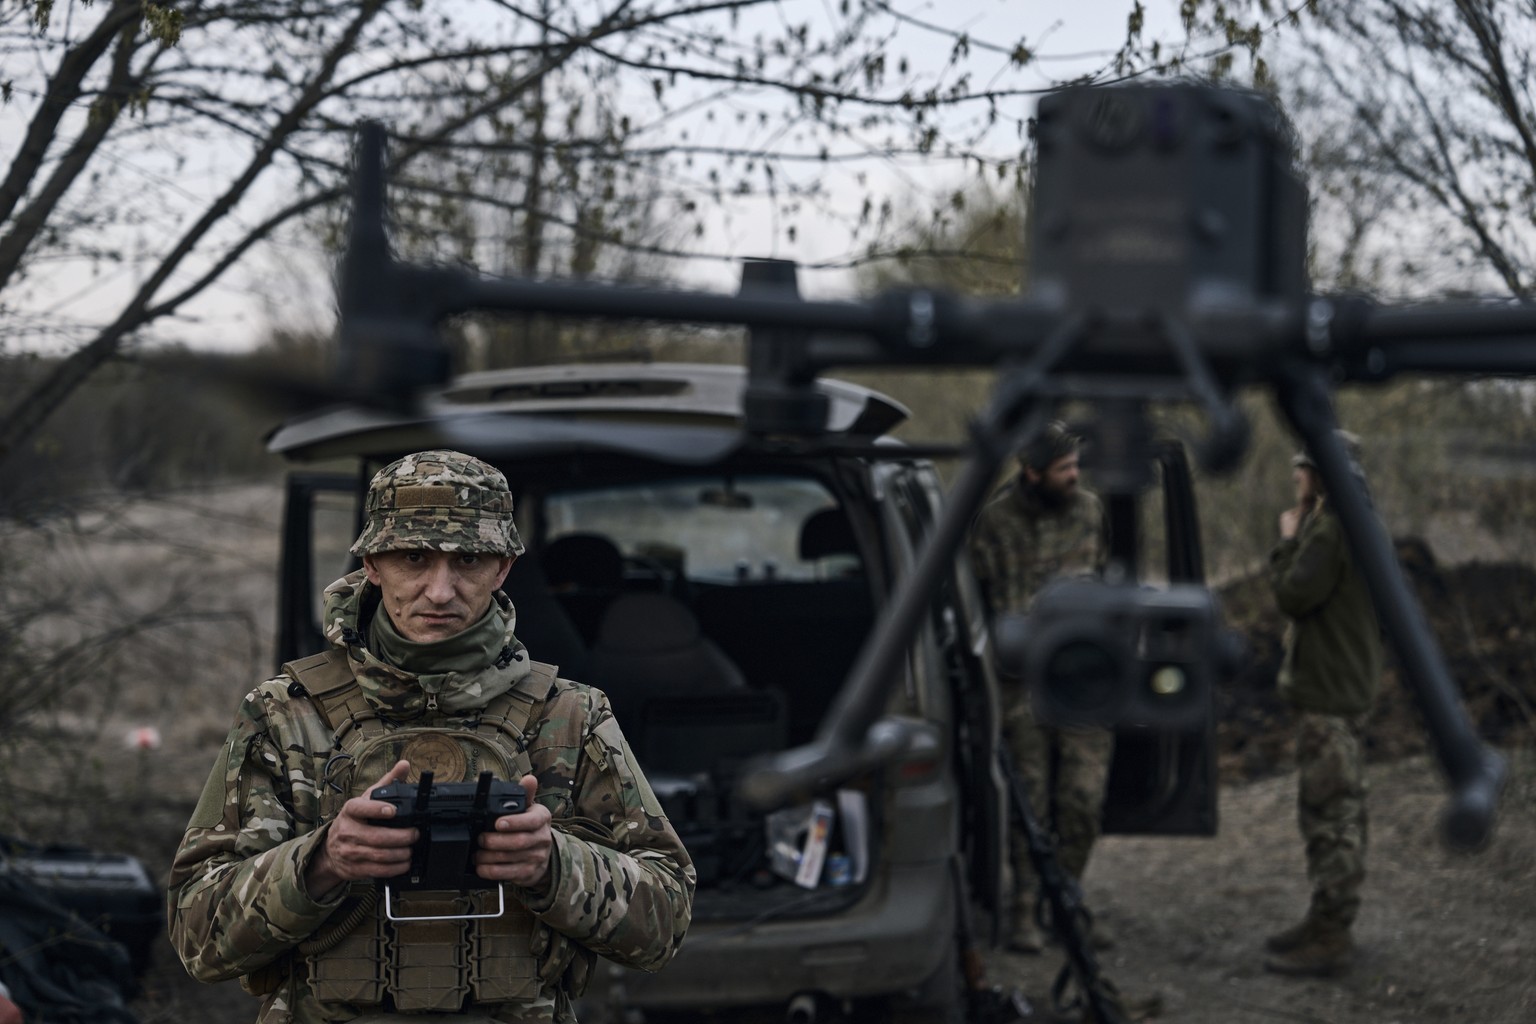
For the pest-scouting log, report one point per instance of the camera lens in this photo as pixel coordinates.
(1167, 681)
(1081, 677)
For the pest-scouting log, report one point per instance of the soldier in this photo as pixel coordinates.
(275, 878)
(1044, 526)
(1329, 675)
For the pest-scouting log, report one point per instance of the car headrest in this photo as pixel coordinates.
(826, 533)
(645, 622)
(589, 561)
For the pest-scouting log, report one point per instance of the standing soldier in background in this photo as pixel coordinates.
(1330, 674)
(276, 880)
(1042, 527)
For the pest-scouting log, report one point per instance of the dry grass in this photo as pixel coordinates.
(157, 614)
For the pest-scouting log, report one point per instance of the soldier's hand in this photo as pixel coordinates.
(1290, 523)
(355, 849)
(517, 850)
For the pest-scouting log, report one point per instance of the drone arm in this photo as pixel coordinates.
(1474, 772)
(1372, 343)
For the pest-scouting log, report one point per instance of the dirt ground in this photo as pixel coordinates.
(1442, 936)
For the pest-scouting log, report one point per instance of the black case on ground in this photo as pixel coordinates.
(109, 891)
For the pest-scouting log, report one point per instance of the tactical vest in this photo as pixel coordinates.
(459, 953)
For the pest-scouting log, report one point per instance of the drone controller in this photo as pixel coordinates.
(450, 817)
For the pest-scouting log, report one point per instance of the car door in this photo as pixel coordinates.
(1164, 783)
(321, 515)
(970, 700)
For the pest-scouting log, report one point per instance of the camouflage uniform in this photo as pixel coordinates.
(620, 884)
(1330, 674)
(1017, 546)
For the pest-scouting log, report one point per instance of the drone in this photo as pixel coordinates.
(1169, 246)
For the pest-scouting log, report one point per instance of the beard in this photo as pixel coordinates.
(1053, 498)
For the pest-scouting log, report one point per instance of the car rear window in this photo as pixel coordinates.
(738, 529)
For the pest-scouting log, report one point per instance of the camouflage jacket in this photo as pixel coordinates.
(1333, 651)
(1019, 544)
(620, 885)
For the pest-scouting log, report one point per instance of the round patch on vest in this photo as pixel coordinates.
(438, 754)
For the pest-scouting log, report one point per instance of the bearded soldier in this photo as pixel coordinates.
(1329, 676)
(1043, 527)
(276, 878)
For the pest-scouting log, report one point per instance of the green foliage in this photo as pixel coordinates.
(488, 344)
(42, 13)
(971, 242)
(164, 23)
(1446, 462)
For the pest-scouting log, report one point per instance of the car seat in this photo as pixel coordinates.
(827, 533)
(543, 624)
(650, 647)
(585, 573)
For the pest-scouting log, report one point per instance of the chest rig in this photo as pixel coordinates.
(437, 951)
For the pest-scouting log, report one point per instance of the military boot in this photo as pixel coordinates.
(1294, 937)
(1327, 953)
(1026, 936)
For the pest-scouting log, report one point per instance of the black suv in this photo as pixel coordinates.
(719, 590)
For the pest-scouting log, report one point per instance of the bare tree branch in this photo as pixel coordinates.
(102, 117)
(23, 419)
(64, 88)
(1445, 111)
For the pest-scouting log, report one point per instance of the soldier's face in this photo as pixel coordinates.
(1059, 478)
(1308, 488)
(433, 595)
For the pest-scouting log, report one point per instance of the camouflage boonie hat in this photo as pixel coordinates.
(441, 501)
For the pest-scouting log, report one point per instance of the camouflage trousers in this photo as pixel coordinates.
(1064, 773)
(1330, 804)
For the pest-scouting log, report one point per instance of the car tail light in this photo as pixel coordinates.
(914, 770)
(923, 760)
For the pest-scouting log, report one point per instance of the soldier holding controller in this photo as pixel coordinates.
(276, 881)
